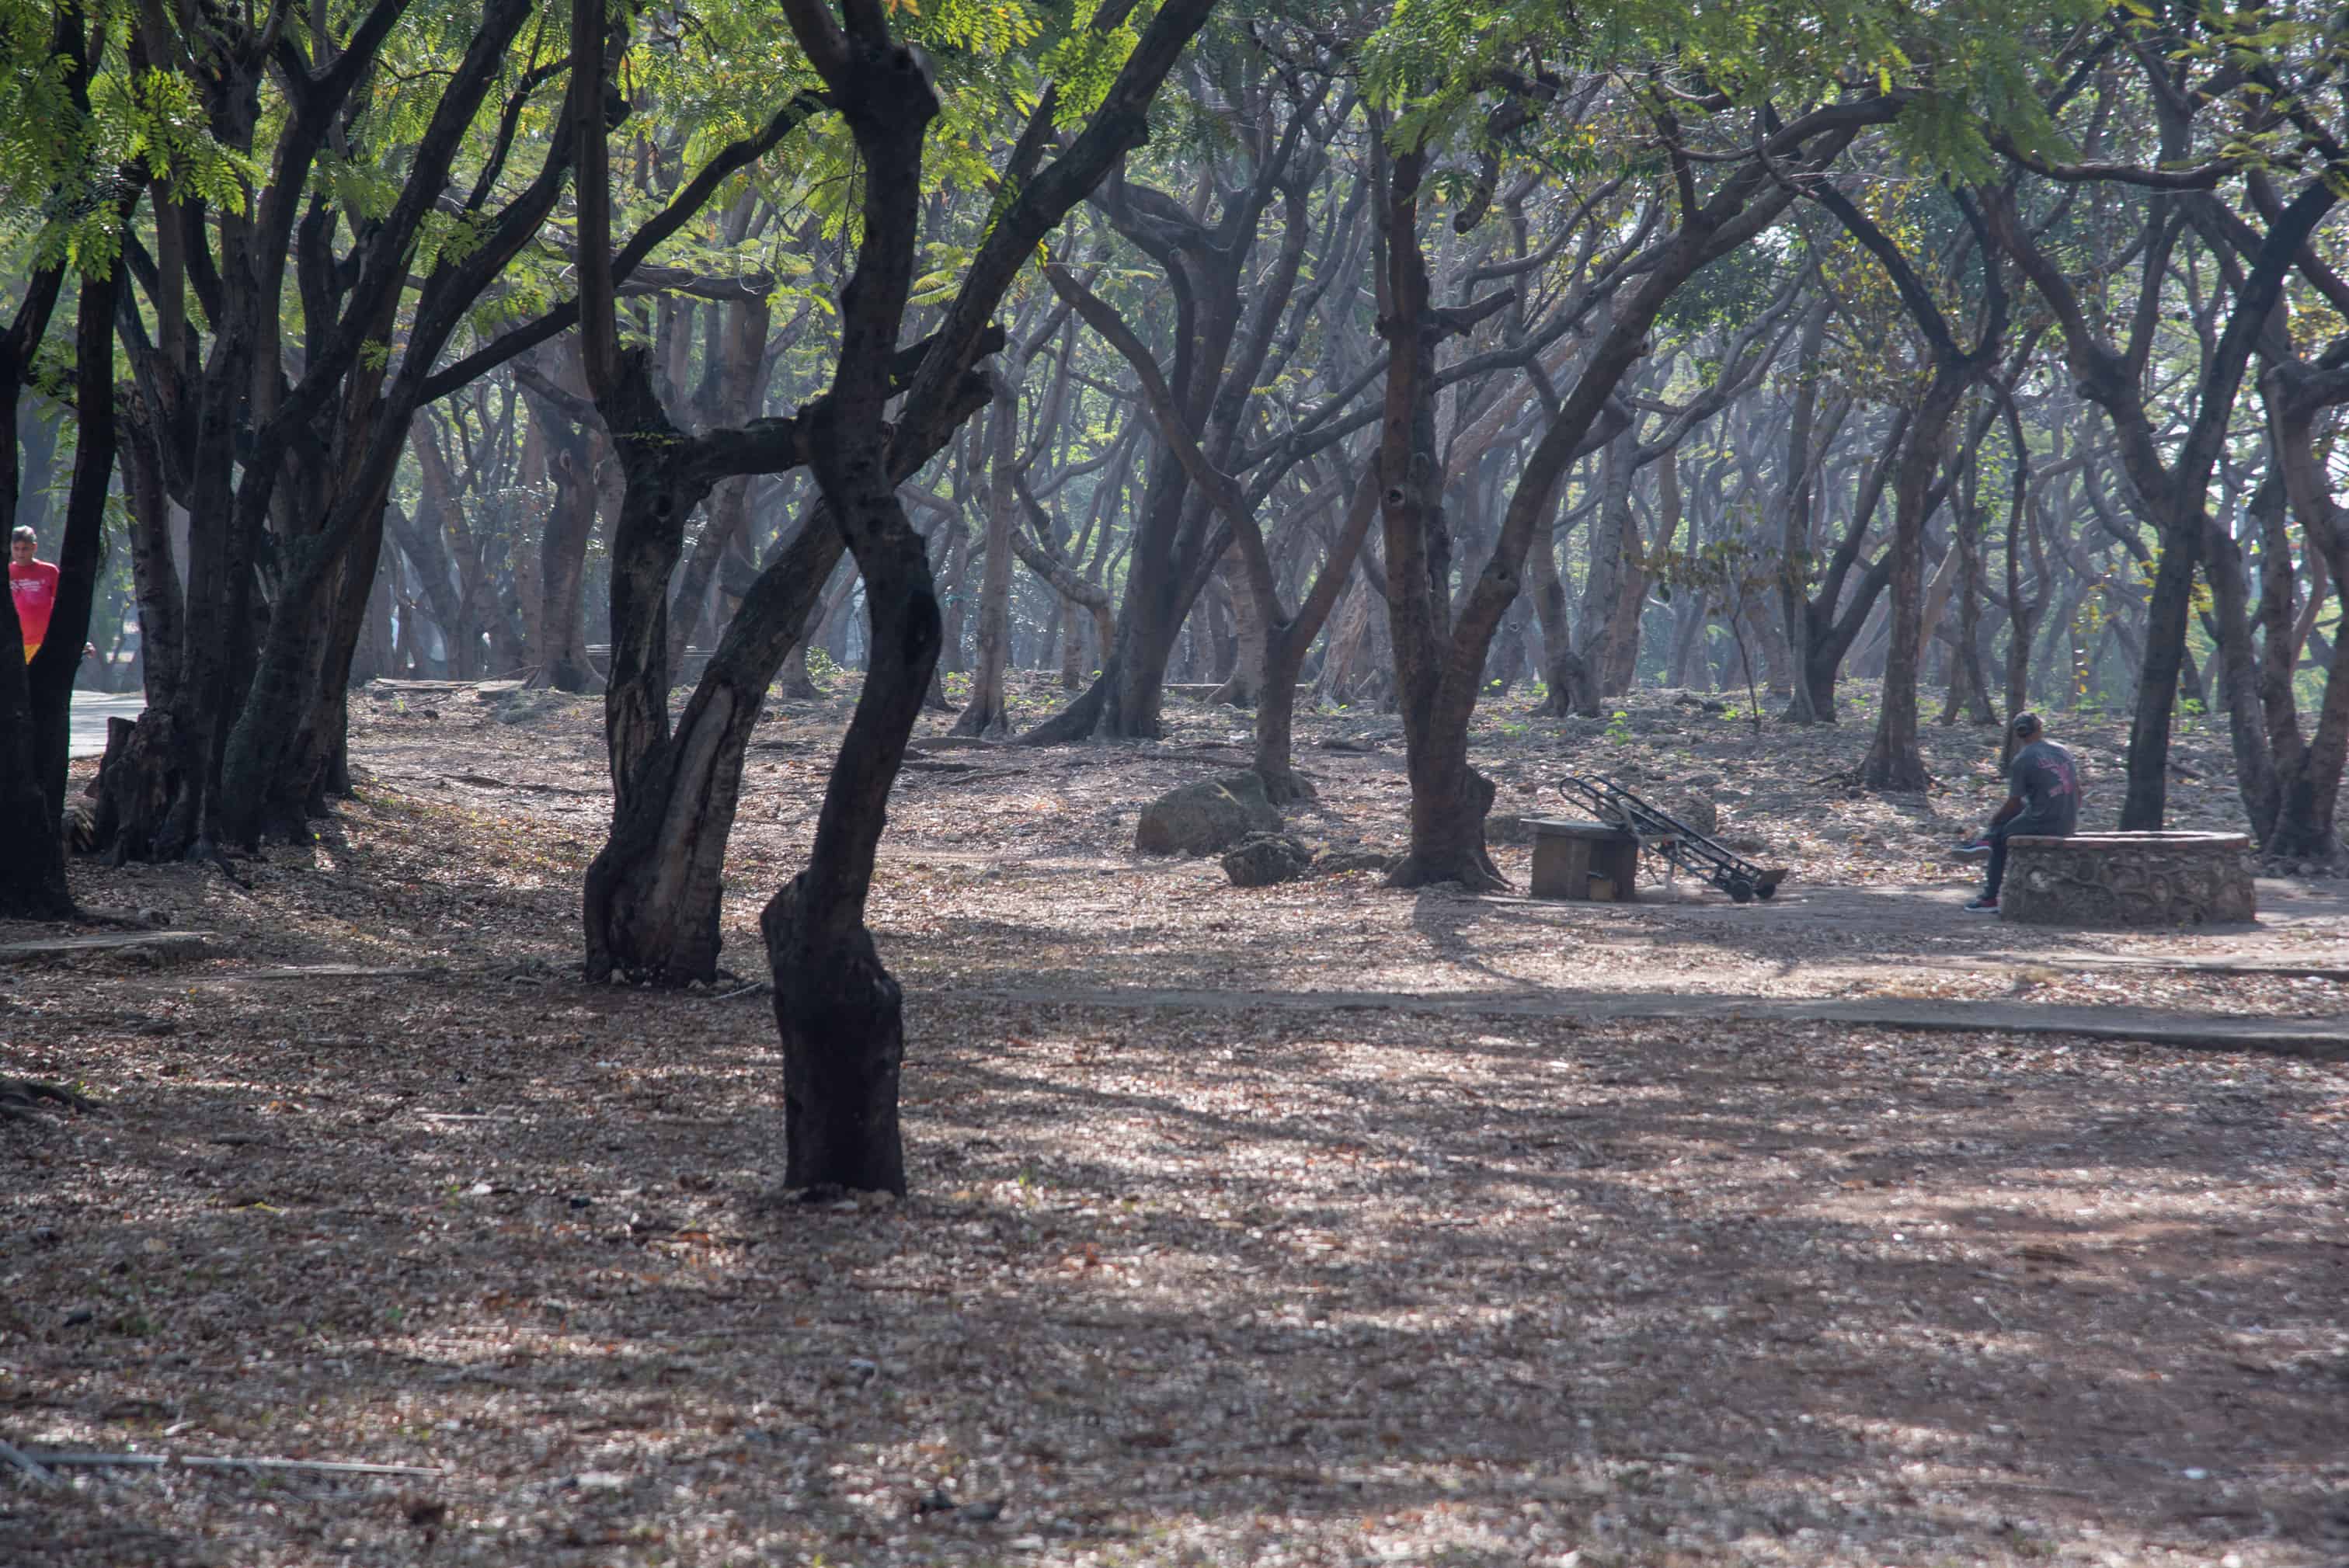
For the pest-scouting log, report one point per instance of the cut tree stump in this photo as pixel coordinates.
(2127, 880)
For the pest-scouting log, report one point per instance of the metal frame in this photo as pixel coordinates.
(1672, 841)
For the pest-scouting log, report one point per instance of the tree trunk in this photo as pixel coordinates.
(1894, 761)
(1449, 800)
(1245, 686)
(1814, 697)
(1968, 692)
(985, 713)
(563, 554)
(81, 553)
(33, 871)
(1613, 538)
(2145, 804)
(1287, 640)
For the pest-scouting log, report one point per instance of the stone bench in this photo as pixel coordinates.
(1571, 856)
(2127, 880)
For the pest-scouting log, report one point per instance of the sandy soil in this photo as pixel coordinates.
(381, 1180)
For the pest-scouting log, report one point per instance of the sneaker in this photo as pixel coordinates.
(1985, 906)
(1972, 849)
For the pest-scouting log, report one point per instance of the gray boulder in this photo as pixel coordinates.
(1696, 809)
(1207, 818)
(1262, 861)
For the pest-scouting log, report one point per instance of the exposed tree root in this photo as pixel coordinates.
(21, 1099)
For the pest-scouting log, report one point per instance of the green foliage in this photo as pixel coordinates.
(1440, 66)
(1085, 64)
(69, 161)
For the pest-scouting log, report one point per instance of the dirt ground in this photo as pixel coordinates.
(1340, 1269)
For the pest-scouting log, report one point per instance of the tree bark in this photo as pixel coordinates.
(985, 713)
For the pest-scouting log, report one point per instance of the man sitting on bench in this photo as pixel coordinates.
(2042, 800)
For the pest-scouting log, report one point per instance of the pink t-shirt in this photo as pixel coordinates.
(33, 585)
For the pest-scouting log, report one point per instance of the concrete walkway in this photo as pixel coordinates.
(2318, 1040)
(86, 725)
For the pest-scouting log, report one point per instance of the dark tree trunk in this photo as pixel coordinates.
(33, 871)
(654, 890)
(81, 553)
(2145, 804)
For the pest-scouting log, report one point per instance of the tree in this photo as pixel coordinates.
(652, 896)
(1894, 761)
(1439, 656)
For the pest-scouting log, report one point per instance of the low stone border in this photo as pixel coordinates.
(2128, 879)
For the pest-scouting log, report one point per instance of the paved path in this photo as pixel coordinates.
(2320, 1040)
(87, 723)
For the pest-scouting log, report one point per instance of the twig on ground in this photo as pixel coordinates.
(122, 919)
(13, 1456)
(60, 1460)
(758, 985)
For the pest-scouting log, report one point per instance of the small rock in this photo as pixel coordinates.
(1337, 862)
(1262, 861)
(1507, 828)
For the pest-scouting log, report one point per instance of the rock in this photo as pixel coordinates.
(1746, 844)
(1702, 781)
(1207, 818)
(1262, 861)
(1337, 862)
(1507, 828)
(1697, 810)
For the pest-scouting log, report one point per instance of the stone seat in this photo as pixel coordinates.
(1569, 855)
(2127, 880)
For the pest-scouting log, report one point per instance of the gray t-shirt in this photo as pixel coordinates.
(2042, 775)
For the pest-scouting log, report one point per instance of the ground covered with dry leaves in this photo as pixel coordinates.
(1312, 1224)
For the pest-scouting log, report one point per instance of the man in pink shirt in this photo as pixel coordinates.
(33, 585)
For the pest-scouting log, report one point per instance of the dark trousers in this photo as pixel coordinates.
(1997, 837)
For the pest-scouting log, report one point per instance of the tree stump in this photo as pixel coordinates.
(2127, 880)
